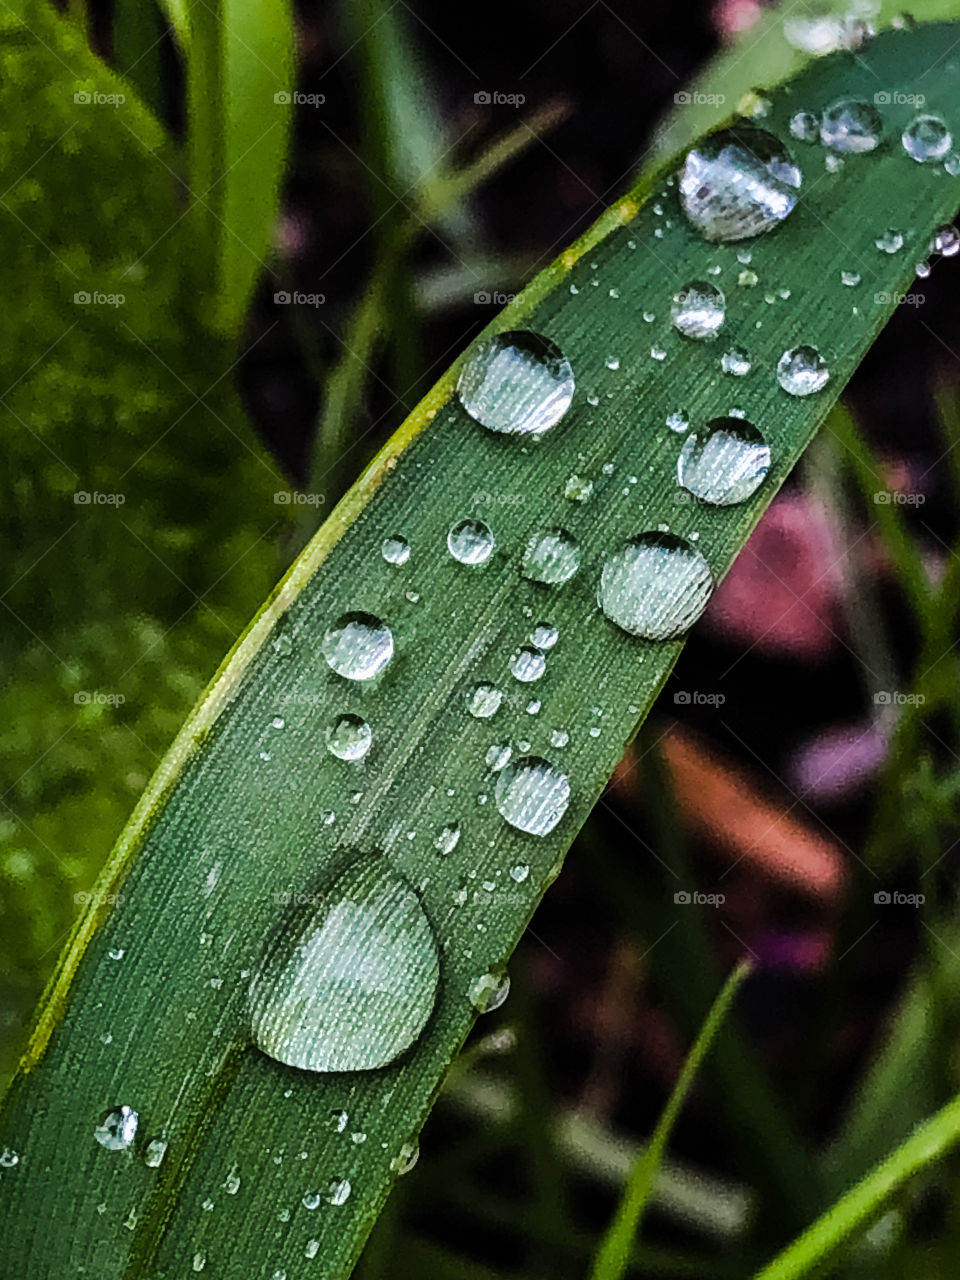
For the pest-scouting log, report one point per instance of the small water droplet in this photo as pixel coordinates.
(349, 982)
(488, 992)
(612, 362)
(698, 310)
(470, 542)
(448, 838)
(339, 1121)
(311, 1200)
(406, 1158)
(9, 1159)
(802, 371)
(926, 139)
(199, 1261)
(946, 241)
(952, 165)
(852, 125)
(116, 953)
(544, 636)
(738, 183)
(655, 585)
(678, 420)
(338, 1191)
(735, 361)
(156, 1150)
(850, 278)
(395, 549)
(283, 645)
(348, 737)
(805, 126)
(518, 383)
(559, 737)
(724, 463)
(578, 489)
(498, 755)
(231, 1183)
(483, 701)
(552, 556)
(528, 665)
(889, 242)
(833, 163)
(311, 1248)
(117, 1129)
(358, 646)
(532, 795)
(533, 707)
(519, 872)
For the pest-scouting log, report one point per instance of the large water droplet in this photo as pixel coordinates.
(358, 646)
(351, 980)
(489, 991)
(851, 125)
(532, 795)
(698, 310)
(737, 183)
(528, 665)
(802, 371)
(551, 556)
(470, 542)
(519, 383)
(349, 737)
(725, 462)
(656, 585)
(483, 701)
(117, 1129)
(926, 139)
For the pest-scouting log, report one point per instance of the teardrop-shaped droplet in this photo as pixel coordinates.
(926, 139)
(552, 556)
(851, 125)
(519, 383)
(351, 980)
(489, 991)
(483, 701)
(738, 183)
(655, 585)
(532, 795)
(395, 549)
(470, 542)
(528, 665)
(698, 310)
(725, 462)
(358, 646)
(349, 737)
(802, 371)
(117, 1129)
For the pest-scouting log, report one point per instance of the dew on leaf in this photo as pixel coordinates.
(655, 585)
(516, 383)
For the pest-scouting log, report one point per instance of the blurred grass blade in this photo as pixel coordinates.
(613, 1256)
(250, 819)
(859, 1206)
(240, 84)
(177, 13)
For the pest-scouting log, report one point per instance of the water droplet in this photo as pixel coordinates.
(498, 755)
(559, 737)
(350, 982)
(735, 361)
(483, 701)
(156, 1150)
(339, 1121)
(532, 795)
(655, 585)
(116, 953)
(470, 542)
(488, 992)
(926, 139)
(923, 270)
(395, 549)
(358, 646)
(851, 124)
(311, 1248)
(818, 34)
(199, 1261)
(578, 489)
(850, 278)
(283, 645)
(348, 737)
(738, 183)
(528, 665)
(117, 1129)
(952, 165)
(678, 420)
(612, 362)
(519, 872)
(889, 242)
(544, 636)
(552, 556)
(448, 839)
(9, 1159)
(231, 1183)
(406, 1158)
(833, 163)
(805, 126)
(338, 1191)
(747, 279)
(698, 310)
(518, 383)
(802, 371)
(725, 463)
(946, 241)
